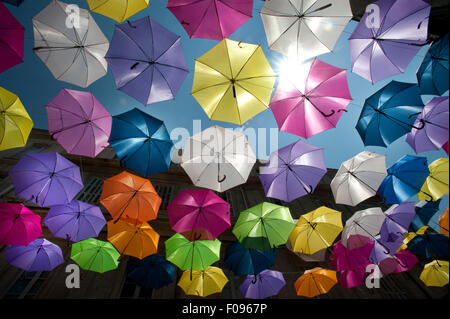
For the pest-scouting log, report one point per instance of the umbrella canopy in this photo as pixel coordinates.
(74, 55)
(397, 221)
(147, 61)
(443, 222)
(430, 245)
(264, 226)
(316, 257)
(14, 2)
(119, 10)
(436, 184)
(15, 123)
(435, 273)
(352, 278)
(353, 257)
(445, 147)
(75, 221)
(389, 114)
(78, 121)
(46, 179)
(18, 225)
(265, 284)
(152, 272)
(424, 214)
(383, 47)
(39, 255)
(218, 158)
(385, 248)
(359, 178)
(365, 222)
(310, 98)
(141, 142)
(233, 81)
(315, 282)
(95, 255)
(211, 19)
(400, 262)
(11, 39)
(203, 283)
(293, 171)
(127, 196)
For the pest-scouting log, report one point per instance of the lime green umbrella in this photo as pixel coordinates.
(264, 226)
(95, 255)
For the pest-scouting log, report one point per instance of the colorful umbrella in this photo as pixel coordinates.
(435, 273)
(353, 257)
(141, 142)
(365, 222)
(233, 81)
(152, 272)
(11, 39)
(293, 171)
(95, 255)
(315, 282)
(211, 19)
(316, 257)
(265, 284)
(119, 10)
(424, 214)
(79, 122)
(402, 261)
(436, 185)
(443, 222)
(397, 221)
(18, 225)
(203, 283)
(46, 179)
(430, 245)
(352, 278)
(147, 61)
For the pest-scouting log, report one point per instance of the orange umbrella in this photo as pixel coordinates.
(443, 222)
(315, 282)
(138, 240)
(127, 196)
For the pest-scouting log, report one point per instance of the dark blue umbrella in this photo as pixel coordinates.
(246, 261)
(14, 2)
(430, 245)
(141, 142)
(153, 271)
(424, 213)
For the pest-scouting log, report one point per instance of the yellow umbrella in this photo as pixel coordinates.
(435, 273)
(315, 282)
(407, 237)
(15, 123)
(233, 81)
(119, 10)
(316, 230)
(436, 184)
(203, 283)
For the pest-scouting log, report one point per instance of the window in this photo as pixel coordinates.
(91, 191)
(27, 285)
(165, 192)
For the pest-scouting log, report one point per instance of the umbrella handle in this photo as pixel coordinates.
(254, 280)
(129, 23)
(388, 252)
(342, 110)
(220, 180)
(329, 115)
(431, 197)
(419, 128)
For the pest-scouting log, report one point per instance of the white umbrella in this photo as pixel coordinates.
(359, 178)
(70, 43)
(365, 222)
(218, 158)
(304, 28)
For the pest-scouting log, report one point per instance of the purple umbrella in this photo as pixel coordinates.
(293, 171)
(398, 219)
(385, 249)
(75, 221)
(39, 255)
(147, 61)
(265, 284)
(46, 179)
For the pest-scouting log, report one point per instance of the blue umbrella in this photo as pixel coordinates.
(141, 142)
(389, 114)
(14, 2)
(430, 245)
(246, 261)
(424, 213)
(404, 180)
(152, 272)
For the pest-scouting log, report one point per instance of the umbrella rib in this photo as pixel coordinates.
(165, 80)
(133, 41)
(202, 18)
(249, 58)
(235, 9)
(284, 32)
(408, 16)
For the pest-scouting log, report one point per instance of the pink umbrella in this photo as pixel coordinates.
(19, 226)
(401, 261)
(445, 147)
(352, 278)
(311, 99)
(353, 257)
(11, 39)
(78, 121)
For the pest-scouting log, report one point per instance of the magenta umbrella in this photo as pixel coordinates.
(353, 257)
(352, 278)
(11, 39)
(18, 225)
(400, 262)
(78, 121)
(311, 99)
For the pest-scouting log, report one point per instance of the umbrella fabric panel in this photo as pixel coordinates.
(203, 283)
(436, 184)
(118, 10)
(11, 39)
(18, 225)
(95, 255)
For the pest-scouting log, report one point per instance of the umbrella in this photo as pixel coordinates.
(141, 142)
(315, 282)
(430, 245)
(75, 221)
(203, 282)
(443, 222)
(386, 248)
(194, 210)
(353, 257)
(95, 255)
(46, 179)
(402, 261)
(79, 122)
(293, 171)
(316, 230)
(397, 221)
(434, 122)
(383, 45)
(218, 158)
(424, 214)
(119, 10)
(359, 178)
(11, 39)
(404, 180)
(304, 29)
(152, 272)
(233, 81)
(76, 54)
(127, 196)
(407, 238)
(389, 114)
(435, 273)
(211, 19)
(310, 98)
(39, 255)
(246, 261)
(18, 225)
(436, 184)
(365, 222)
(445, 147)
(147, 61)
(15, 123)
(433, 72)
(352, 278)
(316, 257)
(14, 2)
(264, 226)
(265, 284)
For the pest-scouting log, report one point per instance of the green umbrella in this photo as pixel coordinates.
(95, 255)
(264, 226)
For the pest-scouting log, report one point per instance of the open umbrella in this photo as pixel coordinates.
(14, 2)
(316, 257)
(435, 273)
(265, 284)
(315, 282)
(233, 81)
(119, 10)
(11, 39)
(46, 179)
(152, 272)
(95, 255)
(73, 54)
(424, 214)
(443, 222)
(293, 171)
(400, 262)
(430, 245)
(203, 283)
(78, 121)
(353, 257)
(436, 184)
(18, 225)
(352, 278)
(385, 248)
(397, 221)
(365, 222)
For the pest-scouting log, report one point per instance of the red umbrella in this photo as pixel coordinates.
(11, 39)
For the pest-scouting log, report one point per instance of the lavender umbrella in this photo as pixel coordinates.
(385, 249)
(265, 284)
(398, 219)
(46, 179)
